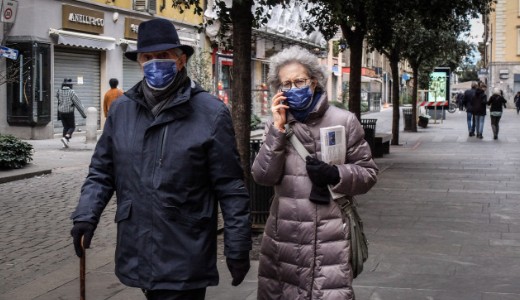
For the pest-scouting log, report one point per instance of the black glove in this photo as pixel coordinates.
(238, 269)
(320, 194)
(321, 173)
(85, 230)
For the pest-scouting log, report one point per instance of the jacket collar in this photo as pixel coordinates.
(178, 107)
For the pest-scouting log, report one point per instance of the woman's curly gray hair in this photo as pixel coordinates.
(299, 55)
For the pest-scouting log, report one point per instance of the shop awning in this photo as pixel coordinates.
(71, 38)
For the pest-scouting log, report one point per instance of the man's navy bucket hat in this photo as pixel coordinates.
(157, 35)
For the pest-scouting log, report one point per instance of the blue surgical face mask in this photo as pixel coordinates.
(159, 73)
(299, 98)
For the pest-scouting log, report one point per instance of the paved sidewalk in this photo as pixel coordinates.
(443, 221)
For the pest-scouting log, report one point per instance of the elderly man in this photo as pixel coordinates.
(168, 151)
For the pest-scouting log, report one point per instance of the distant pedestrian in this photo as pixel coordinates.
(111, 95)
(460, 101)
(496, 102)
(467, 101)
(67, 101)
(517, 102)
(478, 106)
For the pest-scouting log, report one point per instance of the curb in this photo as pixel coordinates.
(23, 175)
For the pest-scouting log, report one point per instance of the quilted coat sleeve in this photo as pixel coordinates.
(359, 174)
(269, 164)
(227, 177)
(99, 184)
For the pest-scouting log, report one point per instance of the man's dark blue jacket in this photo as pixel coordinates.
(169, 174)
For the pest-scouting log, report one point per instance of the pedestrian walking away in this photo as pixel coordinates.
(168, 151)
(111, 95)
(305, 250)
(517, 102)
(67, 102)
(460, 101)
(496, 103)
(478, 105)
(467, 102)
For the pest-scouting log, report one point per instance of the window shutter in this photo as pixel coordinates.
(140, 5)
(152, 6)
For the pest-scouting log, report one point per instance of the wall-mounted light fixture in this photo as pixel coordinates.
(115, 16)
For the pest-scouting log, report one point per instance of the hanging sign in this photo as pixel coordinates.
(9, 8)
(9, 53)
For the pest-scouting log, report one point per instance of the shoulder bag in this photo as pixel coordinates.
(347, 204)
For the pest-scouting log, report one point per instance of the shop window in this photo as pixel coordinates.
(28, 91)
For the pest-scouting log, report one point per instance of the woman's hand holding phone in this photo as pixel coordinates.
(279, 110)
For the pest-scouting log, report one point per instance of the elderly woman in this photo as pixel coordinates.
(305, 252)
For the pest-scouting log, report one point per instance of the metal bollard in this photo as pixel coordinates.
(91, 134)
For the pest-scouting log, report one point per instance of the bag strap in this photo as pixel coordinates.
(296, 143)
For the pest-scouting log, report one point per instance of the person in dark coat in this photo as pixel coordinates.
(479, 109)
(168, 151)
(467, 102)
(460, 101)
(496, 102)
(517, 102)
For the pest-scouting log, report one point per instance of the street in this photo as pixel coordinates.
(443, 222)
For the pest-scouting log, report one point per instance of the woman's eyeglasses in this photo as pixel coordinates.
(298, 83)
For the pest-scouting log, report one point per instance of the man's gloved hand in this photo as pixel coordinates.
(321, 173)
(238, 269)
(85, 230)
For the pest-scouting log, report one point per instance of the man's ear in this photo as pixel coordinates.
(183, 61)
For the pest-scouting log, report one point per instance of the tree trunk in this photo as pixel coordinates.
(415, 70)
(394, 61)
(355, 43)
(242, 19)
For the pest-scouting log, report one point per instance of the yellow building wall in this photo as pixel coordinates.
(511, 30)
(505, 31)
(188, 16)
(169, 12)
(118, 3)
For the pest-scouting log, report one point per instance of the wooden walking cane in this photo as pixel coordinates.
(82, 261)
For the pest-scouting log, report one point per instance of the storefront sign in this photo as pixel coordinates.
(82, 19)
(131, 26)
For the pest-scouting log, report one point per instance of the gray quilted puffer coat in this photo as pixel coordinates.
(305, 251)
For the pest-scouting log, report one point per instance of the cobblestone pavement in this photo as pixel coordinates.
(443, 223)
(35, 225)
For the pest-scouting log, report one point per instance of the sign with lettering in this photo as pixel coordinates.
(131, 26)
(83, 19)
(9, 8)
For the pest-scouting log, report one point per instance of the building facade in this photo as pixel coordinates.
(502, 40)
(81, 40)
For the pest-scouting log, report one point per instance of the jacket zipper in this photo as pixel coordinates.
(315, 247)
(163, 139)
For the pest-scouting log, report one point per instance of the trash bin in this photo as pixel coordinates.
(423, 121)
(407, 116)
(260, 195)
(369, 125)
